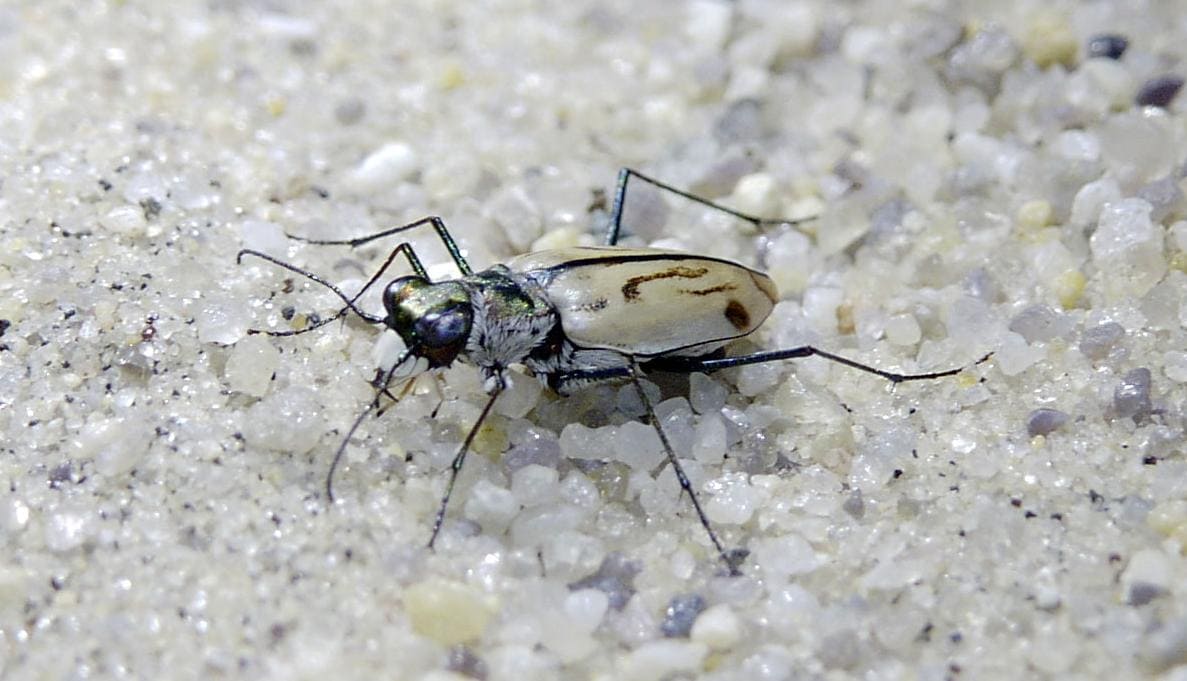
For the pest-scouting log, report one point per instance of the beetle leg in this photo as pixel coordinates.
(440, 394)
(706, 365)
(380, 384)
(438, 226)
(459, 459)
(624, 177)
(564, 383)
(731, 558)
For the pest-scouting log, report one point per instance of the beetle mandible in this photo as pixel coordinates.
(572, 316)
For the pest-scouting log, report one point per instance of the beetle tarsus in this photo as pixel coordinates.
(734, 558)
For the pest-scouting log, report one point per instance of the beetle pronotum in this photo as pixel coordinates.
(572, 316)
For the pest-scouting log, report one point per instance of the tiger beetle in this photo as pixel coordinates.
(572, 317)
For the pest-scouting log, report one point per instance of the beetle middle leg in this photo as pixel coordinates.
(437, 224)
(625, 175)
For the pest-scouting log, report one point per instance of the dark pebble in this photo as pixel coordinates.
(1159, 91)
(1141, 593)
(463, 661)
(1107, 45)
(1163, 195)
(855, 505)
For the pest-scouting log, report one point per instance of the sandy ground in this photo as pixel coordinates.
(971, 181)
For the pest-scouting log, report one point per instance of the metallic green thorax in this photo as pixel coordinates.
(506, 298)
(434, 319)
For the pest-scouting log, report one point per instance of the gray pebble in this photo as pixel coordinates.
(1132, 395)
(1044, 421)
(615, 578)
(1097, 342)
(681, 613)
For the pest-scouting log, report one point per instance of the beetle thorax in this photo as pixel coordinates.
(512, 320)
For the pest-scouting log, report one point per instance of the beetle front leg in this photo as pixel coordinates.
(380, 383)
(458, 460)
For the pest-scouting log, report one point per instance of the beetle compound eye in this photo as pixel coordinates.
(440, 334)
(437, 330)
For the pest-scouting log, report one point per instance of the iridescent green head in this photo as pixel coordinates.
(433, 318)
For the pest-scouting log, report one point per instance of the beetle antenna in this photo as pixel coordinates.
(732, 558)
(380, 390)
(350, 306)
(459, 459)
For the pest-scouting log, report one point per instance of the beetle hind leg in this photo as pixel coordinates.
(565, 382)
(614, 226)
(710, 364)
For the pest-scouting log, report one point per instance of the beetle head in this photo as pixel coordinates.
(433, 318)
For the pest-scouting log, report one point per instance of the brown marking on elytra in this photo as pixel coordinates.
(764, 284)
(707, 291)
(738, 315)
(592, 306)
(630, 290)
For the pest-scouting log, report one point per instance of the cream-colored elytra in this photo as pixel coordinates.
(647, 302)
